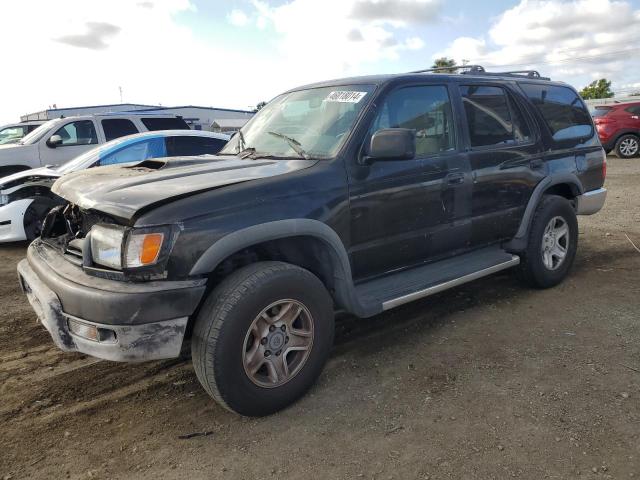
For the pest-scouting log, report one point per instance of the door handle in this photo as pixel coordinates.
(455, 178)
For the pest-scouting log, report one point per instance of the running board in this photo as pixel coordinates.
(406, 286)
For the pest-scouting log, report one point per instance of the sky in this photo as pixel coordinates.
(236, 53)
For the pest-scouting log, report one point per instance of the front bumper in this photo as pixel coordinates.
(150, 319)
(591, 202)
(12, 220)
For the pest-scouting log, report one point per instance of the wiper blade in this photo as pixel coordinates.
(295, 145)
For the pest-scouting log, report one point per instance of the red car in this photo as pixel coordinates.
(618, 127)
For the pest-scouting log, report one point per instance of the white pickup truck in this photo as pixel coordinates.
(58, 141)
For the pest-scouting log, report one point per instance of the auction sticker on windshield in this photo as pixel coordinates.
(344, 96)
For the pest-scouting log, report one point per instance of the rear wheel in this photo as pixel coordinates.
(552, 245)
(262, 337)
(628, 146)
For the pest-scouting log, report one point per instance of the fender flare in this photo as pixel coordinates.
(246, 237)
(519, 242)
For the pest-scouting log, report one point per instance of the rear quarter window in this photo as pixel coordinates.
(562, 109)
(165, 124)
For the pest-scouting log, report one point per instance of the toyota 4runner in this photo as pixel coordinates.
(360, 194)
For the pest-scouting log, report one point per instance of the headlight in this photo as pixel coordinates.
(106, 245)
(110, 245)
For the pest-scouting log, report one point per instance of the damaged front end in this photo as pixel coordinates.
(87, 283)
(24, 202)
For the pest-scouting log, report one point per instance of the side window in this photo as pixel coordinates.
(81, 132)
(135, 152)
(189, 146)
(425, 109)
(634, 110)
(169, 123)
(493, 118)
(562, 109)
(118, 127)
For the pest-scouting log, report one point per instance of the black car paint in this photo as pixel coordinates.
(381, 216)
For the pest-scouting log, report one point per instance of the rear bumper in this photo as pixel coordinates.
(12, 220)
(591, 202)
(127, 322)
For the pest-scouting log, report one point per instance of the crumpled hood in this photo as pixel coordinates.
(122, 191)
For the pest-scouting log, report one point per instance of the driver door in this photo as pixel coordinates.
(77, 137)
(406, 212)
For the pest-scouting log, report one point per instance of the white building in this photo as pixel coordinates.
(199, 118)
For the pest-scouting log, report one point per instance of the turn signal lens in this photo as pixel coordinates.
(144, 249)
(151, 248)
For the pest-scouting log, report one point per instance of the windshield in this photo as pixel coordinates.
(38, 133)
(302, 124)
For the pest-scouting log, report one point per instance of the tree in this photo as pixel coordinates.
(445, 63)
(597, 89)
(259, 106)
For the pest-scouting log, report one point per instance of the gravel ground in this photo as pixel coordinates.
(490, 380)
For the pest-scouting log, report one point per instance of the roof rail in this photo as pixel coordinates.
(469, 68)
(480, 70)
(517, 73)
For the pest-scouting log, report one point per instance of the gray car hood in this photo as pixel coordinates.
(123, 191)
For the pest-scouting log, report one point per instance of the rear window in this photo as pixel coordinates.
(600, 111)
(562, 109)
(118, 127)
(165, 123)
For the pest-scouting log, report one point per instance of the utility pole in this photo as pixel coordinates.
(120, 89)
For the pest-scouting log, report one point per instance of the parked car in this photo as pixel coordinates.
(12, 133)
(618, 127)
(58, 141)
(26, 197)
(360, 194)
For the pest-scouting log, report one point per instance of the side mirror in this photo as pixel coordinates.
(54, 141)
(392, 144)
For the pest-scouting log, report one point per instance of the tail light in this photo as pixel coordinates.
(604, 165)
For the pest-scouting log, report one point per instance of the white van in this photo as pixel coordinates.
(58, 141)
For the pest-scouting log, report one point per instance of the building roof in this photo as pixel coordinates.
(199, 107)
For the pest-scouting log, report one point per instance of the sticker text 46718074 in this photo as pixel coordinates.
(344, 96)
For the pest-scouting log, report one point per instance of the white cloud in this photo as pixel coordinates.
(335, 37)
(238, 18)
(81, 58)
(574, 40)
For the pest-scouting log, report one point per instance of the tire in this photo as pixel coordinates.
(224, 337)
(535, 268)
(34, 216)
(627, 146)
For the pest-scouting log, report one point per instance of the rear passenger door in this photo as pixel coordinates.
(117, 127)
(506, 159)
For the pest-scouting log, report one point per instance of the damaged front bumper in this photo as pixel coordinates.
(107, 319)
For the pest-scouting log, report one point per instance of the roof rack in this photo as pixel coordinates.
(480, 70)
(469, 68)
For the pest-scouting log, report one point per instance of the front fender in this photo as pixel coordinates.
(247, 237)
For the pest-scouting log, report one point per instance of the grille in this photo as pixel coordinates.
(74, 251)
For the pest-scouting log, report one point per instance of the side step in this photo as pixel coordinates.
(405, 286)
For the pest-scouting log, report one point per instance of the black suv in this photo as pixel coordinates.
(359, 194)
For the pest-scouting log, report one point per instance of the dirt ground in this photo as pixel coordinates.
(487, 381)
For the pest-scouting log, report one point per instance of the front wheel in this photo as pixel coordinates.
(262, 337)
(552, 245)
